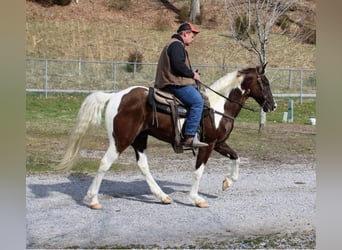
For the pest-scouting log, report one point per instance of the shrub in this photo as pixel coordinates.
(119, 4)
(62, 2)
(49, 3)
(184, 14)
(241, 26)
(283, 22)
(134, 59)
(306, 35)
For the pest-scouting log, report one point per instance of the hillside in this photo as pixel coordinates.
(95, 30)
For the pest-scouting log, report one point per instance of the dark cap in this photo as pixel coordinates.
(187, 26)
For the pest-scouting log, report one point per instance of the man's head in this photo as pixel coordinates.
(187, 27)
(187, 31)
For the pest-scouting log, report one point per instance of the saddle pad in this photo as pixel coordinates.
(162, 100)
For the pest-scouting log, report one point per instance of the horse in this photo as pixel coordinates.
(130, 120)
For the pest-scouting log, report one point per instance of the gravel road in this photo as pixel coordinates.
(270, 206)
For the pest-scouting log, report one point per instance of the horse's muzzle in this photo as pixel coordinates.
(269, 108)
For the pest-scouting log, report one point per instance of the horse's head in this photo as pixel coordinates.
(259, 87)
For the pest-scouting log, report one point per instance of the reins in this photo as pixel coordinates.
(227, 98)
(224, 115)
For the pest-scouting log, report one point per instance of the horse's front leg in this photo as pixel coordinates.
(202, 158)
(194, 197)
(233, 169)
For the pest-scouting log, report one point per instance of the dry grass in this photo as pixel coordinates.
(91, 30)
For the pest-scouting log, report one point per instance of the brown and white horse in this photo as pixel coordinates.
(130, 120)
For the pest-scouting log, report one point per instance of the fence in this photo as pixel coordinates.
(66, 76)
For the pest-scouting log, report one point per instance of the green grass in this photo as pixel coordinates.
(49, 122)
(54, 116)
(58, 105)
(301, 112)
(64, 107)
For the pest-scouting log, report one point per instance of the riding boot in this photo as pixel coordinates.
(193, 142)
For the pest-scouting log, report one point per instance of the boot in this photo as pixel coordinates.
(193, 142)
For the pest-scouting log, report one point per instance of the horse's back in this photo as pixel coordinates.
(128, 93)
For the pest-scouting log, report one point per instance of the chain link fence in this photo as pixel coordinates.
(67, 76)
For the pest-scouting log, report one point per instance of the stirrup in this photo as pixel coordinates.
(195, 143)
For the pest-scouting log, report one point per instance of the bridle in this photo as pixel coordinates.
(262, 89)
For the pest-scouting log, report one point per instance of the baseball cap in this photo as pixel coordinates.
(188, 26)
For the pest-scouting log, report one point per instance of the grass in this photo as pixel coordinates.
(50, 120)
(59, 108)
(302, 112)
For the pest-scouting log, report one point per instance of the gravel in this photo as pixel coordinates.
(270, 206)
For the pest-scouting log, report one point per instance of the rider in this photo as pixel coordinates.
(174, 73)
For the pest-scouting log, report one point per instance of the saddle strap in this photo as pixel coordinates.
(177, 146)
(153, 104)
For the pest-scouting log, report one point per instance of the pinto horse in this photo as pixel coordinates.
(130, 120)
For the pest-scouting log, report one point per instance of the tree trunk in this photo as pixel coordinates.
(195, 12)
(262, 120)
(262, 15)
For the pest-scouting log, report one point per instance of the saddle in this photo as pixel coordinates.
(167, 103)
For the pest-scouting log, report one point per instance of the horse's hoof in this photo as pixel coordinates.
(202, 204)
(225, 185)
(96, 206)
(166, 200)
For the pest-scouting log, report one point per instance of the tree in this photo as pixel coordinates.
(250, 23)
(195, 11)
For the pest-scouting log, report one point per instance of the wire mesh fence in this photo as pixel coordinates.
(57, 75)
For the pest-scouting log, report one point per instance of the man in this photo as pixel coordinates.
(175, 74)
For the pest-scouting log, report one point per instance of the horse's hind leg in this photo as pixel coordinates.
(139, 146)
(106, 162)
(154, 187)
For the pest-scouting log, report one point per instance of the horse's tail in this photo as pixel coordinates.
(89, 114)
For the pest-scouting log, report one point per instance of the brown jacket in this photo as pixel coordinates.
(164, 74)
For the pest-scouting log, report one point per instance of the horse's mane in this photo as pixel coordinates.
(226, 83)
(246, 71)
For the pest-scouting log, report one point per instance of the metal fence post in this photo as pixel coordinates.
(301, 86)
(114, 76)
(46, 78)
(79, 67)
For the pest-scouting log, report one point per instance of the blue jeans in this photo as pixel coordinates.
(191, 97)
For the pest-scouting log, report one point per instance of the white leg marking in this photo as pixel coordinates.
(154, 187)
(194, 197)
(106, 162)
(232, 175)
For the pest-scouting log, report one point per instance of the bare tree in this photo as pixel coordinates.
(250, 23)
(195, 11)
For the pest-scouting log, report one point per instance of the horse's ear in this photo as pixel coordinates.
(261, 69)
(264, 67)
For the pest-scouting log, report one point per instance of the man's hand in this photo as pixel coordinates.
(197, 76)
